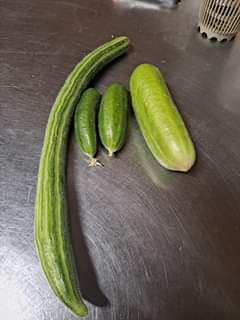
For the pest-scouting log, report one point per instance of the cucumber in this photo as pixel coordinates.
(85, 124)
(159, 120)
(112, 119)
(52, 236)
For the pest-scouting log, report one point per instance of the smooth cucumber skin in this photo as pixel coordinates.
(112, 119)
(159, 120)
(85, 122)
(52, 238)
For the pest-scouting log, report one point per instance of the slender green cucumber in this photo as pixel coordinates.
(52, 236)
(112, 120)
(85, 124)
(159, 120)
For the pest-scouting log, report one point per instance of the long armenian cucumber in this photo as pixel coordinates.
(112, 119)
(159, 120)
(85, 124)
(52, 236)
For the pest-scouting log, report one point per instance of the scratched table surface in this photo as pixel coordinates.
(150, 244)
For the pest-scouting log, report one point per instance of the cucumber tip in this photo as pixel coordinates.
(94, 163)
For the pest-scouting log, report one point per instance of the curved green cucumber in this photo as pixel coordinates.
(52, 236)
(85, 123)
(112, 119)
(159, 120)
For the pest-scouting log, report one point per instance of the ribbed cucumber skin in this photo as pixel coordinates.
(112, 119)
(52, 236)
(159, 120)
(85, 122)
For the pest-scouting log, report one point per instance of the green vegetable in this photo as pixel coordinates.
(159, 120)
(112, 120)
(85, 124)
(51, 222)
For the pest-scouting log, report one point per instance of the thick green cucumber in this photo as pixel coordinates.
(112, 119)
(159, 120)
(85, 124)
(52, 236)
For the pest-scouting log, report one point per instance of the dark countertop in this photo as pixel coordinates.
(150, 244)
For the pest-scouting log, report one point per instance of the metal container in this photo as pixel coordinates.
(219, 19)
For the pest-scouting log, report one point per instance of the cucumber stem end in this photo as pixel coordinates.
(110, 153)
(94, 163)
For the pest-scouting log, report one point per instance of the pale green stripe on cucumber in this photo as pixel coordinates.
(112, 119)
(51, 221)
(85, 124)
(159, 119)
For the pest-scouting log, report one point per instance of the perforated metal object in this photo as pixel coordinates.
(220, 19)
